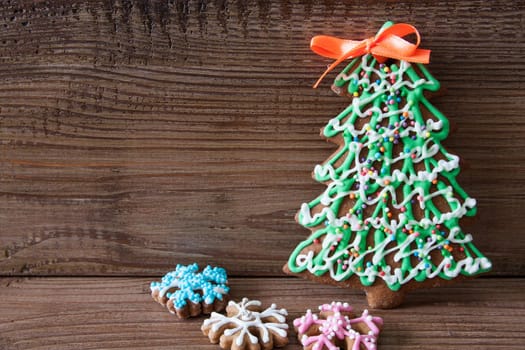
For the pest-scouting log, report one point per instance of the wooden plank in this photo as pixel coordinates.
(116, 313)
(138, 134)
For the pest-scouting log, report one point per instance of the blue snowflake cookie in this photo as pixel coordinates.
(188, 292)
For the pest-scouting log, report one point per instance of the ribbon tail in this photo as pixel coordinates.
(420, 56)
(357, 51)
(328, 70)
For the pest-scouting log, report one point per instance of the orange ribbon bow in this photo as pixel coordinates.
(388, 43)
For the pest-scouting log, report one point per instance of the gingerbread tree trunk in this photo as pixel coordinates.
(389, 219)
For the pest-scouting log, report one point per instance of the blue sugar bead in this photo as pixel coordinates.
(209, 299)
(181, 270)
(195, 297)
(179, 298)
(212, 292)
(215, 274)
(168, 278)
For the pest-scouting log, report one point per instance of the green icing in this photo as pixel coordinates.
(397, 152)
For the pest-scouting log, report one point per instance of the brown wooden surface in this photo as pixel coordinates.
(118, 313)
(135, 135)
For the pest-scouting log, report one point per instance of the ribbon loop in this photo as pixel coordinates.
(330, 46)
(388, 43)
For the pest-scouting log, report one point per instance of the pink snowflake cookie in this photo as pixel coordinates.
(336, 328)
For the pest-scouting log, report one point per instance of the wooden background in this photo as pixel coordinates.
(135, 135)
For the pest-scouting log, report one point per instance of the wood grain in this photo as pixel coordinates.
(117, 313)
(139, 134)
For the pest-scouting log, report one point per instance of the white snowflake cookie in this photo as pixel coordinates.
(246, 326)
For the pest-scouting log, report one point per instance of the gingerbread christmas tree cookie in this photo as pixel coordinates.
(389, 219)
